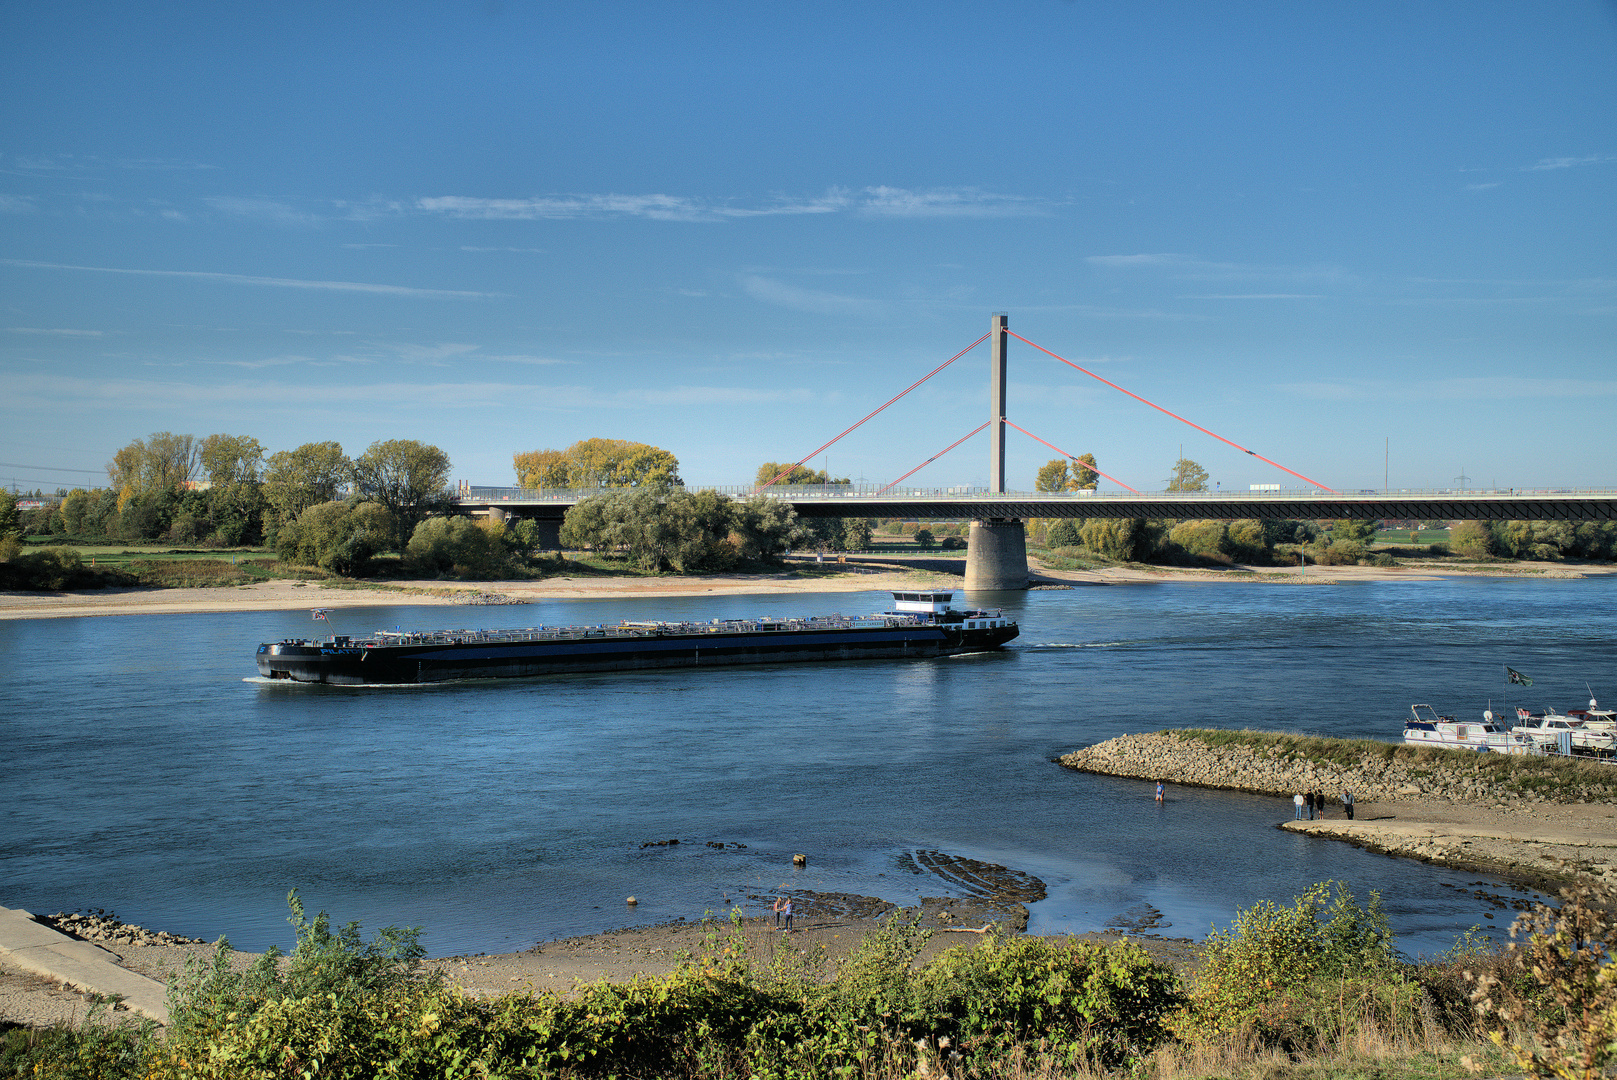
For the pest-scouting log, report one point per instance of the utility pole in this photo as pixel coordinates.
(996, 402)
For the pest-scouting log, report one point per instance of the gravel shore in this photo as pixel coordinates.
(1439, 810)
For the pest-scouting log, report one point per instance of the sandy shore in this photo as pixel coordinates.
(860, 574)
(283, 595)
(822, 943)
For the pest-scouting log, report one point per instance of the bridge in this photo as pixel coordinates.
(996, 556)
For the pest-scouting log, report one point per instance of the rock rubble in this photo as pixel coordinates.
(104, 926)
(1272, 770)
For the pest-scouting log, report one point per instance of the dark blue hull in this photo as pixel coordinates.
(613, 651)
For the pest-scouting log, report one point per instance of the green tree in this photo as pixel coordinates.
(467, 548)
(1052, 476)
(10, 523)
(1250, 541)
(409, 478)
(308, 476)
(1064, 533)
(231, 459)
(923, 539)
(764, 528)
(1208, 539)
(1473, 539)
(1084, 476)
(1354, 529)
(541, 469)
(1187, 476)
(1124, 539)
(337, 537)
(799, 474)
(594, 463)
(159, 464)
(855, 534)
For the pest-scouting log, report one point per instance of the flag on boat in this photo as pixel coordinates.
(1514, 676)
(320, 614)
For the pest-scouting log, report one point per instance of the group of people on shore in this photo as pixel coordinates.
(1314, 803)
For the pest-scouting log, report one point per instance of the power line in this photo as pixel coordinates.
(50, 468)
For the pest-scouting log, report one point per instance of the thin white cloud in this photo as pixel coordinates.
(17, 204)
(1164, 259)
(32, 391)
(537, 361)
(277, 213)
(1190, 268)
(943, 202)
(878, 201)
(53, 331)
(1484, 187)
(430, 353)
(1546, 164)
(248, 279)
(1506, 388)
(784, 295)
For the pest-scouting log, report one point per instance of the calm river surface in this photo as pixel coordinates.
(143, 773)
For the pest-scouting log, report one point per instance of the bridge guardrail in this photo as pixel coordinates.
(479, 494)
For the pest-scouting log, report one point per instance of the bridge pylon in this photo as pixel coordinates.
(996, 550)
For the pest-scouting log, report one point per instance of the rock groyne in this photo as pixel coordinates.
(1266, 764)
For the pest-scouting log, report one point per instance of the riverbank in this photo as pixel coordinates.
(285, 595)
(825, 934)
(858, 574)
(1539, 821)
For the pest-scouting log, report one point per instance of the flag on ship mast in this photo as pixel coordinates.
(320, 614)
(1514, 676)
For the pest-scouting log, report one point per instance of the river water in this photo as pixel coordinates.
(147, 772)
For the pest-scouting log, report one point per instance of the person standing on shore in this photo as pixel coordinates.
(1297, 801)
(1319, 803)
(1347, 803)
(786, 908)
(779, 900)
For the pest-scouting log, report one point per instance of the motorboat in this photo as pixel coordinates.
(1557, 733)
(1426, 727)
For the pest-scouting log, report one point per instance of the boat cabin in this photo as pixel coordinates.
(932, 603)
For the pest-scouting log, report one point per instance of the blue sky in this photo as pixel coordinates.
(731, 230)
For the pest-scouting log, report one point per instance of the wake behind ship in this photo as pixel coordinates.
(923, 624)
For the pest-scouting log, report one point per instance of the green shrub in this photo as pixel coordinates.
(50, 569)
(1272, 950)
(1124, 539)
(459, 545)
(1204, 539)
(1062, 534)
(1473, 539)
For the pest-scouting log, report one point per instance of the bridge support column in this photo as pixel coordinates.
(996, 556)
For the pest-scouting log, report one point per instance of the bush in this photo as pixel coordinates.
(951, 543)
(1341, 553)
(1124, 539)
(1272, 950)
(1203, 539)
(48, 570)
(923, 539)
(466, 548)
(1473, 539)
(1062, 534)
(336, 537)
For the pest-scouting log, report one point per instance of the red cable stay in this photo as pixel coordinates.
(1160, 409)
(912, 386)
(1068, 456)
(934, 457)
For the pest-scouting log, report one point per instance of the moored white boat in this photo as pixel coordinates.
(1553, 732)
(1428, 728)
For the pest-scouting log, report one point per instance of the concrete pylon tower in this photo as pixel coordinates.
(996, 553)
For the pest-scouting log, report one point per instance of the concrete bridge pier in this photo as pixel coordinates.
(996, 555)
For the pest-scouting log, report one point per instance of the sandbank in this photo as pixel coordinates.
(858, 574)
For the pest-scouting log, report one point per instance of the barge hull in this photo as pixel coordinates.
(440, 663)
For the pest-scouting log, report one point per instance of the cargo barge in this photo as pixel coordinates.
(923, 624)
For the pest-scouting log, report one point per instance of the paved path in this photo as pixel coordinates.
(38, 949)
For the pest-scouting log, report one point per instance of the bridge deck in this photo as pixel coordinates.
(978, 505)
